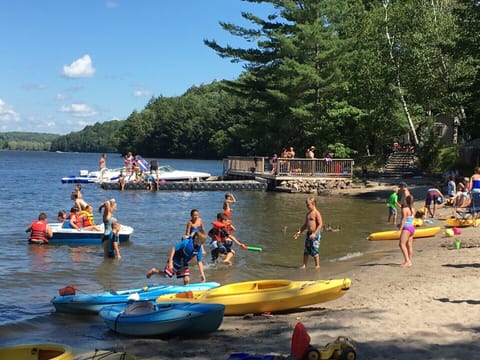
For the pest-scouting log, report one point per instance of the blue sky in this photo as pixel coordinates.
(66, 64)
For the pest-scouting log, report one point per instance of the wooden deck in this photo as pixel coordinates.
(287, 169)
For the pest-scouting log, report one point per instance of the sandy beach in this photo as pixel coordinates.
(430, 310)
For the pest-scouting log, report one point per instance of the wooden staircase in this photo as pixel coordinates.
(400, 163)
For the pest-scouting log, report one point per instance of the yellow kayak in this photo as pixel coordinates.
(395, 234)
(37, 351)
(58, 352)
(454, 222)
(253, 297)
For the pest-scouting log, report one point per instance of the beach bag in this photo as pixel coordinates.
(68, 290)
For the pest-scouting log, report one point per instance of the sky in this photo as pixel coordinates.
(66, 64)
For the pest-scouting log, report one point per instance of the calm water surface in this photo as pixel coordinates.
(31, 275)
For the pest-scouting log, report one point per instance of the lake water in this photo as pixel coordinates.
(30, 275)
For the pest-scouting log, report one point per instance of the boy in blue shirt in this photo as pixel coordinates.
(180, 255)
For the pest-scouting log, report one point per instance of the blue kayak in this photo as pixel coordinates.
(147, 318)
(92, 303)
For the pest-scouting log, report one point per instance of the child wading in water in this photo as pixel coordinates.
(393, 205)
(181, 254)
(313, 224)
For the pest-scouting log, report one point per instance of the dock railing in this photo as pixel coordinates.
(301, 167)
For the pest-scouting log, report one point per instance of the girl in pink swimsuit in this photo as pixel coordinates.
(407, 231)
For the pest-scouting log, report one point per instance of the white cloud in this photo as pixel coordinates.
(142, 93)
(60, 97)
(79, 110)
(111, 5)
(7, 113)
(79, 68)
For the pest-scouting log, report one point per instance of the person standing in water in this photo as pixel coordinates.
(313, 224)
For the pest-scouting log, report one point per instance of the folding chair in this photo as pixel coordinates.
(471, 212)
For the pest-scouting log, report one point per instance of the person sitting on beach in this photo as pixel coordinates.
(39, 230)
(222, 240)
(73, 220)
(180, 256)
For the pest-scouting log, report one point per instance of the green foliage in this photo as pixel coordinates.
(26, 141)
(343, 75)
(101, 137)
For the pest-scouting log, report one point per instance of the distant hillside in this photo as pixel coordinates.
(100, 137)
(16, 140)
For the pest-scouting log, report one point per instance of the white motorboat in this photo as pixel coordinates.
(168, 173)
(164, 173)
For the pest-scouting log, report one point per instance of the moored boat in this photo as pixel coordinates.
(266, 295)
(395, 234)
(82, 237)
(92, 303)
(147, 318)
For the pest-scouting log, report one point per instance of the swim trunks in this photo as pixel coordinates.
(312, 247)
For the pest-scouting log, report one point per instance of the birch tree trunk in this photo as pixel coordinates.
(396, 63)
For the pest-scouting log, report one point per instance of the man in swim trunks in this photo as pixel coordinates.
(313, 224)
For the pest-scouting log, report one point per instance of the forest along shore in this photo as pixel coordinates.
(429, 310)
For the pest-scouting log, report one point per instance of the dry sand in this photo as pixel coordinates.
(428, 311)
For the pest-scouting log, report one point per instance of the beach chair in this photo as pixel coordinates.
(472, 211)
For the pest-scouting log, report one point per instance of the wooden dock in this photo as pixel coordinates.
(287, 169)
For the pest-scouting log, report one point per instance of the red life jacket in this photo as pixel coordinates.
(39, 231)
(218, 232)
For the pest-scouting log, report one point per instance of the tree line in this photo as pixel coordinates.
(344, 75)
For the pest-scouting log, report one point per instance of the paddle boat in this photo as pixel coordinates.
(82, 237)
(92, 177)
(147, 318)
(395, 234)
(92, 303)
(253, 297)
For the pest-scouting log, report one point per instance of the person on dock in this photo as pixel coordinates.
(180, 256)
(39, 230)
(407, 230)
(313, 224)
